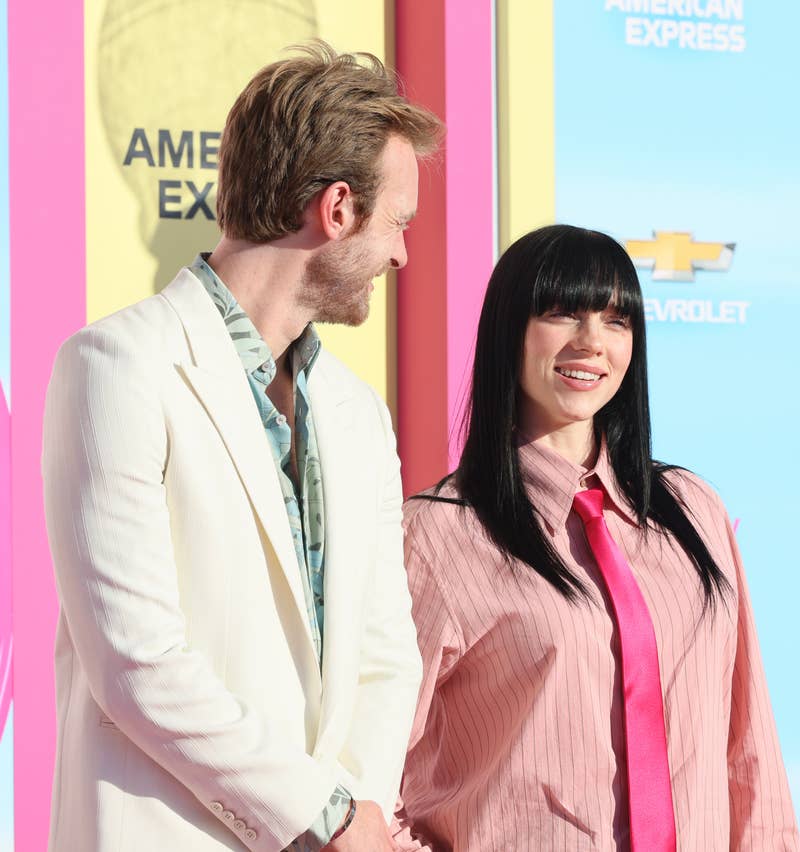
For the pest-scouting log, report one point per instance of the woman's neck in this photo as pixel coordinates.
(576, 442)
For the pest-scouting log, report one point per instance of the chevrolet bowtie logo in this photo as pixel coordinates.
(674, 255)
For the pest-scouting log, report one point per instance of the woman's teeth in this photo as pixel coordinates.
(578, 374)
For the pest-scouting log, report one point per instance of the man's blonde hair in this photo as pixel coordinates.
(303, 123)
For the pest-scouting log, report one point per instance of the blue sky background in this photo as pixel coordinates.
(675, 139)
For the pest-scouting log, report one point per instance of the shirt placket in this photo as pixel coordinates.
(313, 517)
(279, 433)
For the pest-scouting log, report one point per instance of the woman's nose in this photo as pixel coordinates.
(589, 335)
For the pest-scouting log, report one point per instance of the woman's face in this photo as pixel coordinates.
(573, 364)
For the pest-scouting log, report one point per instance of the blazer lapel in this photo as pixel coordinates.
(346, 546)
(217, 378)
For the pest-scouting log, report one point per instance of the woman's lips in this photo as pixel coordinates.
(580, 378)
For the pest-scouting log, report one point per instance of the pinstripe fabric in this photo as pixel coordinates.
(518, 742)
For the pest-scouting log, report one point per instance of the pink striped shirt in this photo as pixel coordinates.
(518, 740)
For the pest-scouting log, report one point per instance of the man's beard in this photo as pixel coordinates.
(335, 286)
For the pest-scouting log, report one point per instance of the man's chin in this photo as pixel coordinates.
(350, 315)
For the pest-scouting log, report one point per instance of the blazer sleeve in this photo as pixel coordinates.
(106, 445)
(390, 669)
(761, 810)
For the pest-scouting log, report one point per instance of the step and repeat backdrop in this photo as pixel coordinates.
(667, 123)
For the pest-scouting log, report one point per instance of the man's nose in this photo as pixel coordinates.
(399, 255)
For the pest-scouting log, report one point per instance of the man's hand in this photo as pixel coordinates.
(367, 832)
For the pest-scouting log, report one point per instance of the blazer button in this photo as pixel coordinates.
(228, 816)
(217, 807)
(239, 824)
(250, 834)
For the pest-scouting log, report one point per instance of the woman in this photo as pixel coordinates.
(534, 730)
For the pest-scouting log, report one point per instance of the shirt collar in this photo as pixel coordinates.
(253, 350)
(552, 482)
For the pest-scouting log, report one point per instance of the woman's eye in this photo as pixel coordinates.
(621, 322)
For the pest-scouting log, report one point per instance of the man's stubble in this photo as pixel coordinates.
(336, 282)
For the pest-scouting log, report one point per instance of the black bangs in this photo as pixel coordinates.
(585, 271)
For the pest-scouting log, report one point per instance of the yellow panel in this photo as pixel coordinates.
(176, 68)
(526, 117)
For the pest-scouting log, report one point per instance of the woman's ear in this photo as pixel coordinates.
(336, 210)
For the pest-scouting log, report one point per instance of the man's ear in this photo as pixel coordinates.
(337, 210)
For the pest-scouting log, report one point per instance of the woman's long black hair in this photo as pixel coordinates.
(571, 269)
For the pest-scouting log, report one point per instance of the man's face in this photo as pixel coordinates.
(338, 279)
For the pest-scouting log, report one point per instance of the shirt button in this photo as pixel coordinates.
(228, 816)
(217, 807)
(280, 420)
(239, 824)
(250, 834)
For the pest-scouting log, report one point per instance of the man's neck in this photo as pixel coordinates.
(265, 280)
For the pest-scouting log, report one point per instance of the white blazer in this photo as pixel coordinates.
(191, 710)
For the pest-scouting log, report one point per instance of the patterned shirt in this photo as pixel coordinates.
(304, 501)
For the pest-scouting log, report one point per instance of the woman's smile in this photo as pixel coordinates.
(581, 378)
(573, 362)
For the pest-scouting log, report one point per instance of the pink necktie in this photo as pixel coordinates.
(649, 791)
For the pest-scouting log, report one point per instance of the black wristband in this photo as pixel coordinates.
(347, 820)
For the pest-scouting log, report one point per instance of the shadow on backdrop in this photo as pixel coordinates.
(168, 72)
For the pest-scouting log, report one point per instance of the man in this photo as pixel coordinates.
(236, 663)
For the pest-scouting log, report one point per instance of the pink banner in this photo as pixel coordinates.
(444, 55)
(48, 303)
